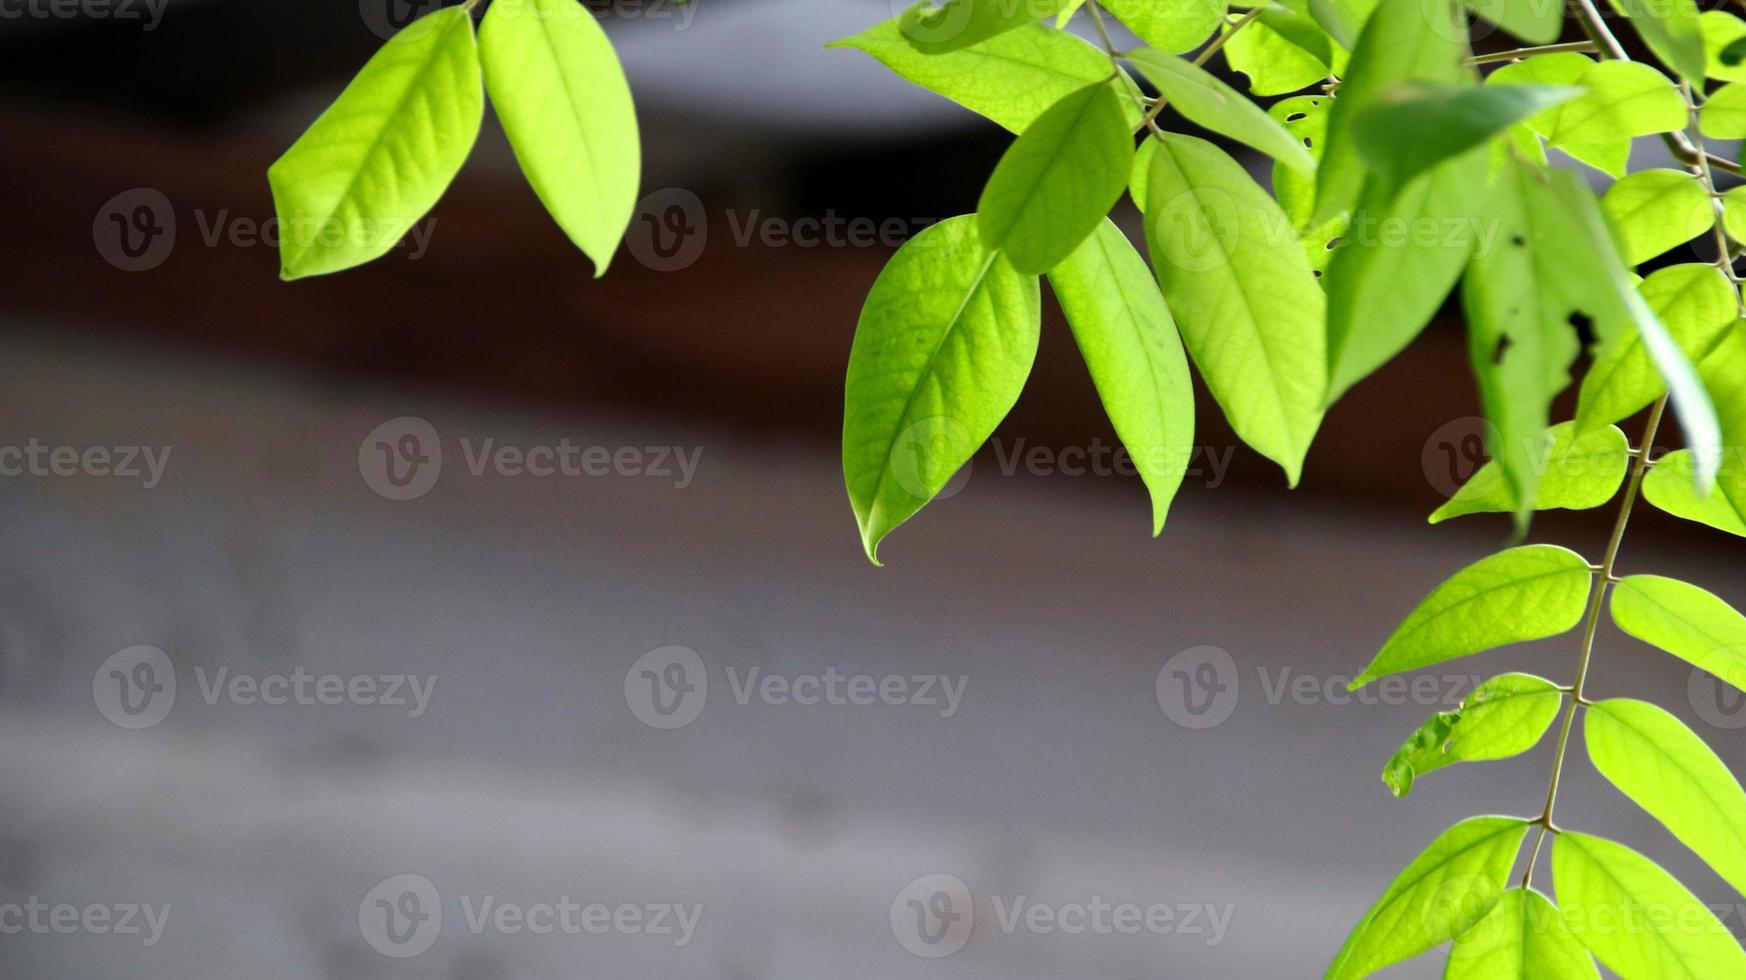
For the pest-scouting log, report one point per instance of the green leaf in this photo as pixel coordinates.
(1563, 68)
(1624, 99)
(1579, 471)
(945, 342)
(1206, 101)
(1524, 938)
(1244, 297)
(1442, 894)
(1400, 42)
(1723, 116)
(1734, 213)
(384, 152)
(957, 24)
(1670, 486)
(566, 107)
(1057, 180)
(1130, 344)
(1696, 305)
(1694, 625)
(1635, 918)
(1722, 29)
(1652, 211)
(1409, 127)
(1010, 78)
(1177, 26)
(1401, 253)
(1534, 21)
(1671, 29)
(1522, 594)
(1281, 51)
(1305, 117)
(1653, 758)
(1503, 717)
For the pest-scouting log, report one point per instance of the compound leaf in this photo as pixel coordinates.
(1696, 305)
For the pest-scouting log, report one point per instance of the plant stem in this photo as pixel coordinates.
(1205, 55)
(1724, 251)
(1519, 53)
(1603, 581)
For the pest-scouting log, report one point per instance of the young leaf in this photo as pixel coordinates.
(1624, 99)
(1654, 759)
(1502, 717)
(1670, 486)
(1721, 30)
(1057, 180)
(1564, 68)
(384, 152)
(1442, 894)
(957, 24)
(1651, 211)
(1281, 51)
(1684, 620)
(1696, 305)
(1525, 593)
(1244, 297)
(1409, 127)
(945, 342)
(1397, 259)
(1635, 918)
(1534, 21)
(1670, 28)
(1580, 471)
(1130, 344)
(1010, 78)
(1206, 101)
(566, 107)
(1723, 116)
(1178, 26)
(1524, 938)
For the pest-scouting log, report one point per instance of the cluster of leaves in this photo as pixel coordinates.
(379, 158)
(1414, 169)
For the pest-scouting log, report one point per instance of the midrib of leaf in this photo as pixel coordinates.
(1687, 622)
(1615, 106)
(592, 184)
(1665, 946)
(927, 370)
(1054, 158)
(1675, 763)
(1475, 597)
(438, 53)
(1134, 323)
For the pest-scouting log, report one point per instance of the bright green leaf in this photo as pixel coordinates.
(945, 342)
(1522, 594)
(1721, 30)
(1177, 26)
(1723, 116)
(1652, 211)
(1534, 21)
(1409, 127)
(1281, 51)
(1305, 117)
(384, 152)
(1443, 893)
(1695, 303)
(1578, 472)
(1723, 506)
(1206, 101)
(1524, 938)
(1057, 180)
(1635, 918)
(1503, 717)
(1563, 68)
(1670, 487)
(941, 28)
(1624, 99)
(1244, 297)
(1684, 620)
(1130, 344)
(1671, 29)
(1734, 213)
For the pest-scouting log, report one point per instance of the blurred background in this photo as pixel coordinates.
(287, 709)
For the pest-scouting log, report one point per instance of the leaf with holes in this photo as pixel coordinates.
(1503, 717)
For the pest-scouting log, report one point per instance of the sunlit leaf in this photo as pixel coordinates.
(1669, 486)
(1563, 68)
(1684, 620)
(1281, 51)
(1409, 127)
(1695, 303)
(1579, 472)
(1670, 28)
(1523, 938)
(1534, 21)
(1206, 101)
(1177, 26)
(1723, 116)
(1502, 717)
(1623, 99)
(1635, 918)
(952, 25)
(1721, 30)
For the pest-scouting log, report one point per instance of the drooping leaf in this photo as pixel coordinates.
(1671, 29)
(1129, 342)
(1524, 938)
(952, 25)
(1010, 78)
(1503, 717)
(566, 107)
(1579, 471)
(1670, 487)
(1281, 51)
(1178, 26)
(1446, 890)
(1057, 180)
(1635, 918)
(1534, 21)
(1243, 296)
(1525, 593)
(377, 159)
(945, 342)
(1409, 127)
(1623, 99)
(1652, 211)
(1653, 758)
(1721, 30)
(1696, 305)
(1684, 620)
(1723, 116)
(1206, 101)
